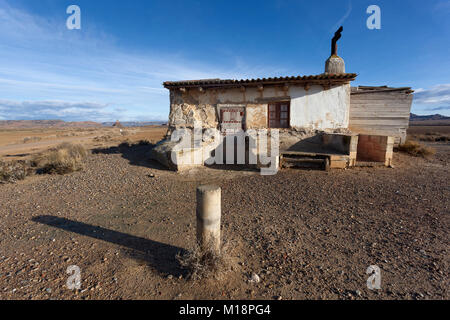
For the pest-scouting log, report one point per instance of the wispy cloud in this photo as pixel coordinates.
(433, 99)
(442, 6)
(439, 94)
(42, 61)
(343, 18)
(78, 111)
(26, 110)
(445, 108)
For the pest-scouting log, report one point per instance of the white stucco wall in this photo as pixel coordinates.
(320, 109)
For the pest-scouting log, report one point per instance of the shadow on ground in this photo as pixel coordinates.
(233, 167)
(158, 255)
(138, 154)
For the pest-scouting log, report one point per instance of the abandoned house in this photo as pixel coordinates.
(321, 120)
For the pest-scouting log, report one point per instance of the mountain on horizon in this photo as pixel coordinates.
(28, 124)
(415, 117)
(134, 123)
(56, 123)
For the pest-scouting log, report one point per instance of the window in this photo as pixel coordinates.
(279, 115)
(232, 118)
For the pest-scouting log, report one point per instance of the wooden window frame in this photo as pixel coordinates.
(278, 114)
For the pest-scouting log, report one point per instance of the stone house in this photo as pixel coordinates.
(320, 118)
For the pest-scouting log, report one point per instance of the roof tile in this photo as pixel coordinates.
(333, 78)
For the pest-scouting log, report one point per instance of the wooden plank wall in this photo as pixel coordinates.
(383, 113)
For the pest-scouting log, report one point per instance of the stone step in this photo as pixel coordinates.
(305, 162)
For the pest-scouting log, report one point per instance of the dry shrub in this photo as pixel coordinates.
(125, 132)
(416, 149)
(63, 159)
(129, 144)
(104, 138)
(31, 139)
(144, 142)
(432, 137)
(204, 263)
(12, 171)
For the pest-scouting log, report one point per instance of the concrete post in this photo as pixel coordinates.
(208, 217)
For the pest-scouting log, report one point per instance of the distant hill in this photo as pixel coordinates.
(429, 120)
(415, 117)
(30, 124)
(134, 123)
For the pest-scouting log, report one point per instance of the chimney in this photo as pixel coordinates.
(335, 64)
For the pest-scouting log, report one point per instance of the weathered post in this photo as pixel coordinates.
(208, 217)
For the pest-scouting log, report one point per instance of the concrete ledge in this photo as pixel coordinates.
(178, 160)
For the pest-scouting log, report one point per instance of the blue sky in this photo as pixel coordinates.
(113, 68)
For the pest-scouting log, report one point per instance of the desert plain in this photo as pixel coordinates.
(307, 234)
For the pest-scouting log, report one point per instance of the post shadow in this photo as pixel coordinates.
(159, 255)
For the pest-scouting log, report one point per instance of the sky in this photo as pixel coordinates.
(114, 66)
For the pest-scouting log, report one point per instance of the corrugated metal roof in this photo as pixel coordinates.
(372, 89)
(321, 78)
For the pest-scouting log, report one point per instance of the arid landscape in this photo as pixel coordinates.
(21, 143)
(307, 234)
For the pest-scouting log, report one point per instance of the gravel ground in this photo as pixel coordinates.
(307, 234)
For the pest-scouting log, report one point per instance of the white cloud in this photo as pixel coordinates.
(343, 18)
(432, 100)
(55, 105)
(436, 95)
(41, 61)
(70, 111)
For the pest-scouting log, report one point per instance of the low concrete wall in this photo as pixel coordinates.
(344, 144)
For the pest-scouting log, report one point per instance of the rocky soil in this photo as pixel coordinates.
(306, 234)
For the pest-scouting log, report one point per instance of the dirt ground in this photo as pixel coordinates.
(308, 234)
(429, 129)
(22, 143)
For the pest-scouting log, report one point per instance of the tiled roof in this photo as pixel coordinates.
(321, 78)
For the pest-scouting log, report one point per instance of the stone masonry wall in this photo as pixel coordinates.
(324, 112)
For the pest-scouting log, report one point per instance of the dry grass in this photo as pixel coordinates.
(126, 144)
(125, 132)
(415, 149)
(204, 263)
(63, 159)
(13, 171)
(432, 137)
(31, 139)
(105, 138)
